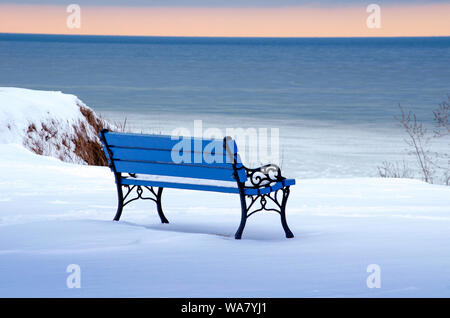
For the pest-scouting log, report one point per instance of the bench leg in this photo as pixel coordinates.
(263, 199)
(119, 202)
(159, 207)
(238, 234)
(283, 213)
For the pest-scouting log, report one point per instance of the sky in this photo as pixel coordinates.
(264, 18)
(222, 3)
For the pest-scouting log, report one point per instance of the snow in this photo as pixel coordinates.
(54, 116)
(53, 214)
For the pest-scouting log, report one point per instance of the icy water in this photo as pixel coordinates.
(333, 100)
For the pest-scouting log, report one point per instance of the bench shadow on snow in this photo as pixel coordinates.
(223, 231)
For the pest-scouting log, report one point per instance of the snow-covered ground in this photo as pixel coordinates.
(49, 123)
(53, 214)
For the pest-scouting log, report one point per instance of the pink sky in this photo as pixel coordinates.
(404, 20)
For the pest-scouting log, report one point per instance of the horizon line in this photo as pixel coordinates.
(230, 37)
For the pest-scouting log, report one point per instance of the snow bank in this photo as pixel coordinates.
(51, 124)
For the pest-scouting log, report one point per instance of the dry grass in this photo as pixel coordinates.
(92, 119)
(86, 149)
(90, 151)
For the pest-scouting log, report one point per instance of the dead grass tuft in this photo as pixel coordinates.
(88, 150)
(31, 128)
(81, 143)
(92, 119)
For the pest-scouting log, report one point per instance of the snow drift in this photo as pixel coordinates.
(52, 124)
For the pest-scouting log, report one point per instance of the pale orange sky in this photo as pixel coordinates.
(404, 20)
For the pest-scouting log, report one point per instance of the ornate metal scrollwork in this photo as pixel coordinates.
(272, 201)
(263, 176)
(139, 194)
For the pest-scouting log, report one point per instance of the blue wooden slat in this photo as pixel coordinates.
(176, 170)
(264, 190)
(133, 154)
(288, 182)
(165, 142)
(139, 140)
(180, 185)
(274, 187)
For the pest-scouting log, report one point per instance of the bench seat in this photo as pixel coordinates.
(179, 184)
(202, 184)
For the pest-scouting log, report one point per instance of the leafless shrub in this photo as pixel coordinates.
(417, 139)
(441, 119)
(434, 166)
(394, 170)
(442, 131)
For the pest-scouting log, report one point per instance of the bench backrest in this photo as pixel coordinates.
(163, 155)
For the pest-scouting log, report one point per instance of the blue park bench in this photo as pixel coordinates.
(154, 162)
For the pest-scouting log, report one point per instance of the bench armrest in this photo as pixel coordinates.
(264, 176)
